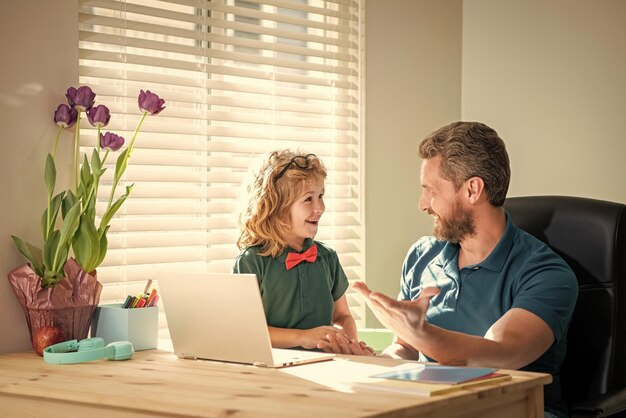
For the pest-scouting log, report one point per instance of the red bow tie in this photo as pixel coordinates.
(293, 259)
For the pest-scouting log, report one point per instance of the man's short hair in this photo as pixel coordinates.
(471, 149)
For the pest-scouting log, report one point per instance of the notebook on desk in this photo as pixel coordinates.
(219, 316)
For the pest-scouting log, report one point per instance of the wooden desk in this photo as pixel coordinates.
(157, 383)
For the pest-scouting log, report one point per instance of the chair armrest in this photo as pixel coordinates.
(603, 405)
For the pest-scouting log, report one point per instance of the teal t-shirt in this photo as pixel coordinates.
(303, 297)
(521, 272)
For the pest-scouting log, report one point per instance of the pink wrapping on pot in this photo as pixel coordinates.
(69, 305)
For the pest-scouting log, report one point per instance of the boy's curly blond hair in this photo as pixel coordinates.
(266, 220)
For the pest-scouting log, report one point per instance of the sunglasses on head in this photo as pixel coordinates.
(300, 161)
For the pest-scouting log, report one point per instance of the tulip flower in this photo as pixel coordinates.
(99, 116)
(111, 141)
(65, 116)
(82, 98)
(150, 102)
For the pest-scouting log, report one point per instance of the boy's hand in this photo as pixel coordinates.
(340, 343)
(311, 338)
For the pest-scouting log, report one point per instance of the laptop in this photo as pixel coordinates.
(220, 316)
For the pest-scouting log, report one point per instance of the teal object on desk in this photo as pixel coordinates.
(89, 349)
(140, 326)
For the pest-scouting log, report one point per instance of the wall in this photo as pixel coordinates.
(550, 77)
(39, 54)
(413, 86)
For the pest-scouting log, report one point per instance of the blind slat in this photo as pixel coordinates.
(105, 77)
(261, 74)
(189, 32)
(308, 50)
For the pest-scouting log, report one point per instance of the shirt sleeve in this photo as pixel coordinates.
(340, 280)
(409, 261)
(548, 289)
(249, 262)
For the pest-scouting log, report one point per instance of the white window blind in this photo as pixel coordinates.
(240, 78)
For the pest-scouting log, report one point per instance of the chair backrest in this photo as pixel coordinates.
(590, 235)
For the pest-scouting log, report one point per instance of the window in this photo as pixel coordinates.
(240, 78)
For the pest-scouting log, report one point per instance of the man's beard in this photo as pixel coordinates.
(456, 226)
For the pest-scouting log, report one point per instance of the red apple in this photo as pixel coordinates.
(46, 336)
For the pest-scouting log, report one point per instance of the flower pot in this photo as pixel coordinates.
(67, 307)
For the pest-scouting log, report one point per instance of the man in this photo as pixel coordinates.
(481, 292)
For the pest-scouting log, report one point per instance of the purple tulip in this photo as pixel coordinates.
(65, 116)
(150, 102)
(99, 116)
(82, 98)
(111, 141)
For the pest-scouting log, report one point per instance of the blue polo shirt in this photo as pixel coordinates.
(521, 272)
(303, 297)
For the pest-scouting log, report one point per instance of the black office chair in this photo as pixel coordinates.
(590, 235)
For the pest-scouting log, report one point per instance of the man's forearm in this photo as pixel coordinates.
(515, 340)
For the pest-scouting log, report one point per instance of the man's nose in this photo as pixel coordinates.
(423, 203)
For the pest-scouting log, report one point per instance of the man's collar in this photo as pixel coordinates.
(496, 259)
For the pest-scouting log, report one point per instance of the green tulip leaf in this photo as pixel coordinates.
(61, 260)
(50, 174)
(86, 244)
(91, 209)
(85, 171)
(45, 227)
(80, 191)
(50, 250)
(121, 164)
(106, 218)
(86, 180)
(69, 201)
(56, 204)
(32, 254)
(70, 224)
(68, 229)
(54, 211)
(96, 164)
(104, 243)
(89, 204)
